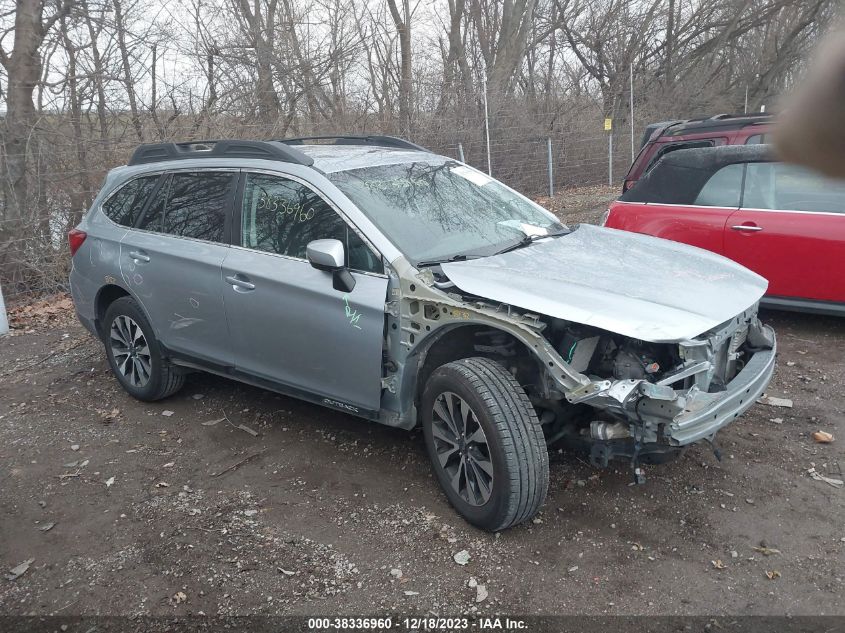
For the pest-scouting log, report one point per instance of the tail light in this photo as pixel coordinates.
(75, 237)
(604, 218)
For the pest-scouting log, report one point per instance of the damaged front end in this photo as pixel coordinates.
(653, 399)
(595, 381)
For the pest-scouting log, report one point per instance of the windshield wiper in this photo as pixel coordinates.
(525, 240)
(433, 262)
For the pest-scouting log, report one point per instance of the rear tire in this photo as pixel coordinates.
(485, 443)
(135, 355)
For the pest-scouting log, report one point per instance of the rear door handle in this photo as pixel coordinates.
(746, 227)
(139, 257)
(239, 281)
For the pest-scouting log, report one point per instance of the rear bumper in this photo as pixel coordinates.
(83, 292)
(705, 414)
(88, 324)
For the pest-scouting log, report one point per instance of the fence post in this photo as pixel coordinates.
(551, 171)
(486, 122)
(632, 113)
(461, 152)
(610, 158)
(4, 320)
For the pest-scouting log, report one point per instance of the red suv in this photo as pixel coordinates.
(784, 222)
(667, 136)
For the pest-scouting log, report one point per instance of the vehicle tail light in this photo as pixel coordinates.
(75, 237)
(604, 218)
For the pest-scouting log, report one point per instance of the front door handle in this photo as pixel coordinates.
(239, 281)
(751, 228)
(139, 257)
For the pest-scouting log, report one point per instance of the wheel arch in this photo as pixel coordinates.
(107, 295)
(456, 341)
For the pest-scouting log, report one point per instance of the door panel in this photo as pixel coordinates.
(695, 225)
(173, 265)
(178, 283)
(292, 327)
(800, 253)
(791, 230)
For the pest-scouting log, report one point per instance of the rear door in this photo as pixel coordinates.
(171, 262)
(287, 324)
(791, 230)
(700, 223)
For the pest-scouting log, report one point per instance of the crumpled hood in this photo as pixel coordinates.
(635, 285)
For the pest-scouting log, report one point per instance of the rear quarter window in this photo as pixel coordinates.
(723, 188)
(673, 147)
(125, 205)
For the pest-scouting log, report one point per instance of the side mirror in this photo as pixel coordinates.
(330, 256)
(326, 254)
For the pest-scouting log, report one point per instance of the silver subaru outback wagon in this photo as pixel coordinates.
(371, 276)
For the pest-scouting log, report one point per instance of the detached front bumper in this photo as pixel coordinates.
(706, 413)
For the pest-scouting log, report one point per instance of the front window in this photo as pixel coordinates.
(791, 188)
(282, 216)
(433, 212)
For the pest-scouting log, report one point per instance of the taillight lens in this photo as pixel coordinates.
(604, 218)
(75, 237)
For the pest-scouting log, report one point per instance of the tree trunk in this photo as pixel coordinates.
(120, 26)
(23, 72)
(503, 39)
(79, 200)
(670, 44)
(99, 79)
(403, 29)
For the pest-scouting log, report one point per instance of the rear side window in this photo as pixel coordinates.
(151, 220)
(672, 147)
(723, 188)
(281, 216)
(197, 205)
(791, 188)
(124, 206)
(757, 139)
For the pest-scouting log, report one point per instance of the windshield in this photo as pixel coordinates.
(434, 212)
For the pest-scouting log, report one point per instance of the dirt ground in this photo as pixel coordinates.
(172, 508)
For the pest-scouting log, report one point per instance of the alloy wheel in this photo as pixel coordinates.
(462, 449)
(130, 350)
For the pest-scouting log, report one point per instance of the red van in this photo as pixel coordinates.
(784, 222)
(668, 136)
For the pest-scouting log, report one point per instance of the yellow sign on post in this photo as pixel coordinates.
(608, 124)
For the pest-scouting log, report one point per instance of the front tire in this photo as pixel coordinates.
(485, 443)
(135, 355)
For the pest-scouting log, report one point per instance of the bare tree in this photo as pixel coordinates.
(257, 24)
(502, 29)
(32, 22)
(402, 22)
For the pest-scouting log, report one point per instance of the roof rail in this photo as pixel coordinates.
(347, 139)
(718, 122)
(269, 150)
